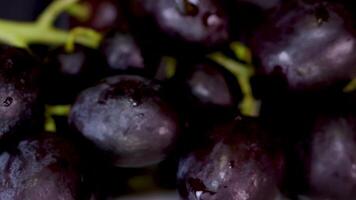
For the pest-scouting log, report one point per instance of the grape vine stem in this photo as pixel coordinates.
(248, 106)
(22, 34)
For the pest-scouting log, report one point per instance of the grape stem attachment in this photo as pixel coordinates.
(42, 31)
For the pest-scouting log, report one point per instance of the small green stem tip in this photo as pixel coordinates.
(242, 52)
(47, 18)
(351, 86)
(81, 11)
(171, 66)
(58, 110)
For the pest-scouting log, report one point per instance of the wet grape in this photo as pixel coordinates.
(328, 158)
(180, 22)
(41, 167)
(308, 46)
(127, 117)
(235, 164)
(20, 106)
(208, 90)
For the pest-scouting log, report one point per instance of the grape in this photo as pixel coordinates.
(263, 4)
(42, 167)
(180, 22)
(235, 164)
(308, 46)
(122, 53)
(209, 90)
(127, 117)
(19, 91)
(105, 15)
(328, 157)
(256, 11)
(67, 73)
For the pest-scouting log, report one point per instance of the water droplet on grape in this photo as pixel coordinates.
(198, 194)
(211, 20)
(134, 103)
(231, 164)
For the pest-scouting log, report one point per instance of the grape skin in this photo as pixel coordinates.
(127, 117)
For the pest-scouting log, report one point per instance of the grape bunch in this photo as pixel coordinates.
(215, 100)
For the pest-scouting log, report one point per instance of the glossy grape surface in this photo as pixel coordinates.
(307, 45)
(44, 167)
(19, 90)
(195, 23)
(207, 90)
(328, 157)
(127, 117)
(122, 53)
(234, 165)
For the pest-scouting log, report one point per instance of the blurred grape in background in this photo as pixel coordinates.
(21, 10)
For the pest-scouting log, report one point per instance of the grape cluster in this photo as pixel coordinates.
(217, 99)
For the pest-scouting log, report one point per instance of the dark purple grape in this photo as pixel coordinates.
(105, 15)
(329, 158)
(236, 164)
(68, 73)
(175, 23)
(263, 4)
(308, 46)
(256, 11)
(19, 91)
(44, 167)
(208, 90)
(127, 117)
(122, 53)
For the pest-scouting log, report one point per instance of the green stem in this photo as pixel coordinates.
(81, 11)
(351, 86)
(171, 66)
(58, 110)
(47, 18)
(241, 52)
(249, 106)
(81, 34)
(22, 34)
